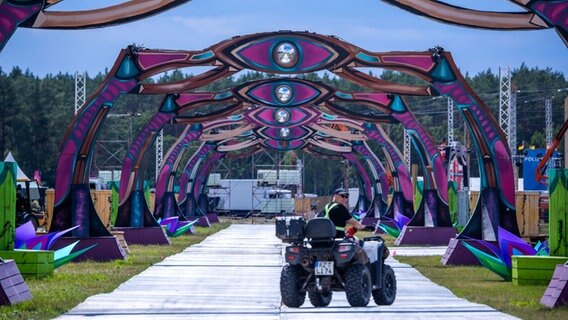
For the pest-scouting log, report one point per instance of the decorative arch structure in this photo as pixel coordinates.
(35, 14)
(292, 53)
(538, 14)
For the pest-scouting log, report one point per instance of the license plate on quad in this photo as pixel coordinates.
(324, 268)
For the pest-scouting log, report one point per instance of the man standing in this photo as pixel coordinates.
(338, 213)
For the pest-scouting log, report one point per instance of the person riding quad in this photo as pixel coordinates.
(338, 213)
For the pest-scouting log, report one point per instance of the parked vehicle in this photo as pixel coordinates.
(318, 264)
(30, 204)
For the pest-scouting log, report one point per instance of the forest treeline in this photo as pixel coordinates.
(35, 113)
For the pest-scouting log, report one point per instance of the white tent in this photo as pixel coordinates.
(21, 176)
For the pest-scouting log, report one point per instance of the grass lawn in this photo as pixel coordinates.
(478, 284)
(74, 282)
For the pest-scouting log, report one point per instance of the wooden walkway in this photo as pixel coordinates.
(235, 274)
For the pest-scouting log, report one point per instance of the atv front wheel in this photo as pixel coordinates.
(290, 286)
(320, 299)
(385, 296)
(358, 285)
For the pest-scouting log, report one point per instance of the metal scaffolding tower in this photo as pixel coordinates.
(504, 100)
(548, 121)
(450, 121)
(513, 124)
(159, 152)
(80, 90)
(406, 151)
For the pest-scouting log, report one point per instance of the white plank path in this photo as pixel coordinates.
(235, 274)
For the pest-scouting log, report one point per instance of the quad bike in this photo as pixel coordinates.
(318, 264)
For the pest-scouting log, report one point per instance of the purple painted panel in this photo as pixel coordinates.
(423, 62)
(378, 168)
(82, 128)
(187, 98)
(137, 150)
(258, 53)
(491, 135)
(11, 16)
(295, 133)
(505, 169)
(263, 93)
(301, 93)
(380, 98)
(284, 145)
(402, 175)
(189, 167)
(409, 121)
(170, 164)
(147, 60)
(556, 12)
(363, 173)
(312, 54)
(203, 173)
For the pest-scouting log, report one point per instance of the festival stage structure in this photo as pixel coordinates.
(284, 114)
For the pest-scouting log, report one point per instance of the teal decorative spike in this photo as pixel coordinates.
(223, 95)
(443, 72)
(490, 262)
(169, 105)
(397, 105)
(202, 56)
(127, 69)
(365, 57)
(344, 95)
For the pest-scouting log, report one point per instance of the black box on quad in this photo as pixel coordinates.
(291, 229)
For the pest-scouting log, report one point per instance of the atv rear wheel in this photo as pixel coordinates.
(320, 299)
(358, 285)
(290, 286)
(386, 295)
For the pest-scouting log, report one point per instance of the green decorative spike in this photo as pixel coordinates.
(393, 232)
(490, 262)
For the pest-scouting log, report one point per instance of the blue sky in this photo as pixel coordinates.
(370, 24)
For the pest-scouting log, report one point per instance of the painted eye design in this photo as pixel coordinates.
(285, 133)
(281, 117)
(279, 93)
(285, 53)
(283, 145)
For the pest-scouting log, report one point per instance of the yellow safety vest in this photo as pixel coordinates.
(328, 208)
